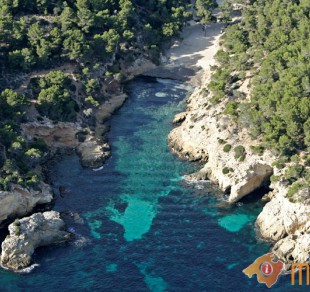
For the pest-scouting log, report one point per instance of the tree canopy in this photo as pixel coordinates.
(272, 44)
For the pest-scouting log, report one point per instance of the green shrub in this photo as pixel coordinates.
(240, 152)
(242, 158)
(221, 141)
(280, 164)
(16, 225)
(294, 188)
(225, 170)
(274, 178)
(227, 148)
(40, 144)
(293, 173)
(259, 149)
(295, 158)
(92, 101)
(216, 98)
(231, 108)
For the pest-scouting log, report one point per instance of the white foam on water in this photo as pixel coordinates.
(98, 169)
(161, 94)
(26, 270)
(195, 182)
(166, 81)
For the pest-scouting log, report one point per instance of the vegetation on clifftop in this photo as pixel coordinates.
(271, 45)
(41, 39)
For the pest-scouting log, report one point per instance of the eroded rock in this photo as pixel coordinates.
(20, 201)
(287, 224)
(92, 153)
(27, 234)
(60, 135)
(180, 118)
(280, 217)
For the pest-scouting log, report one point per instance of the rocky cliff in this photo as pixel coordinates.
(88, 134)
(287, 224)
(57, 135)
(29, 233)
(205, 133)
(208, 135)
(20, 201)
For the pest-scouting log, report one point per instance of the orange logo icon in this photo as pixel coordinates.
(266, 269)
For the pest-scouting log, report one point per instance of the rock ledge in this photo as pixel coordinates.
(27, 234)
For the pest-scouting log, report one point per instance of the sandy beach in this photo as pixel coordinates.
(195, 49)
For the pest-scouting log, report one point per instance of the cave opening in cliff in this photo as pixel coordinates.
(257, 194)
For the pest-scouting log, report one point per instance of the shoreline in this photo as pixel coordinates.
(206, 134)
(196, 138)
(90, 141)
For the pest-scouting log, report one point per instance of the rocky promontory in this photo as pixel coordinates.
(233, 160)
(205, 133)
(287, 224)
(20, 201)
(209, 136)
(27, 234)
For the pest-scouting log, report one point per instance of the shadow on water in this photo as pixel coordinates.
(255, 195)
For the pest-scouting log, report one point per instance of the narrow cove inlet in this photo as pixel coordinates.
(139, 225)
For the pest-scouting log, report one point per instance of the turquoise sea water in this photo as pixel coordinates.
(139, 226)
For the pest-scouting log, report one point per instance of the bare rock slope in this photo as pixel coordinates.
(29, 233)
(20, 201)
(208, 135)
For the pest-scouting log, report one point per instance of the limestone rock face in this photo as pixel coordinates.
(207, 134)
(139, 66)
(20, 201)
(106, 110)
(92, 153)
(203, 135)
(280, 217)
(60, 135)
(294, 248)
(95, 149)
(180, 118)
(27, 234)
(254, 178)
(288, 225)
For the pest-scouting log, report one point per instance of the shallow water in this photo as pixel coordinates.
(139, 226)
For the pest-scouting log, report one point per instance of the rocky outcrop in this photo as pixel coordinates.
(231, 159)
(138, 67)
(94, 150)
(20, 201)
(27, 234)
(287, 224)
(208, 135)
(92, 147)
(106, 110)
(59, 135)
(92, 153)
(280, 217)
(294, 248)
(180, 118)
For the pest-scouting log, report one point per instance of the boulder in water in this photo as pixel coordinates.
(27, 234)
